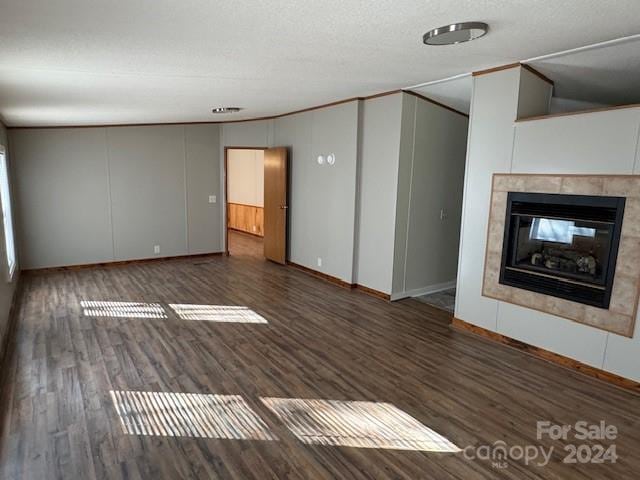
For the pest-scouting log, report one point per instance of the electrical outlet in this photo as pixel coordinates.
(319, 261)
(212, 199)
(156, 249)
(254, 228)
(443, 214)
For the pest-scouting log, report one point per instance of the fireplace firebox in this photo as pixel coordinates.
(562, 245)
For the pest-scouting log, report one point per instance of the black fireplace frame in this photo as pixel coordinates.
(582, 205)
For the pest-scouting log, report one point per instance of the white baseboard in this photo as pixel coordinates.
(438, 287)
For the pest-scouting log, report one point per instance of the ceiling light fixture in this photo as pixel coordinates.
(226, 110)
(455, 33)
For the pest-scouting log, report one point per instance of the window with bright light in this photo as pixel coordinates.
(5, 198)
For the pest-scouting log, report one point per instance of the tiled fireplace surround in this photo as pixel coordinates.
(621, 315)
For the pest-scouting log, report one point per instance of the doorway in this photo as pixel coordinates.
(256, 184)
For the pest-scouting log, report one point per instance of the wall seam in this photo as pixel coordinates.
(513, 148)
(358, 192)
(222, 189)
(604, 354)
(394, 220)
(498, 304)
(186, 191)
(413, 154)
(109, 196)
(635, 160)
(463, 214)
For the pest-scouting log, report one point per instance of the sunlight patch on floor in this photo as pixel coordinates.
(356, 424)
(122, 309)
(188, 415)
(217, 313)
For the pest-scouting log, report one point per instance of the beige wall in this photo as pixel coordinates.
(245, 177)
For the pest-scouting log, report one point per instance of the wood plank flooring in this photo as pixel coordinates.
(321, 342)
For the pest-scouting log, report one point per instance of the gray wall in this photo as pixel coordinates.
(431, 178)
(7, 289)
(322, 197)
(258, 133)
(203, 174)
(378, 184)
(101, 194)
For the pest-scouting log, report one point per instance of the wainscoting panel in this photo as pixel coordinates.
(246, 218)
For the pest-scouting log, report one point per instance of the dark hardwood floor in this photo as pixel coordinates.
(245, 245)
(60, 418)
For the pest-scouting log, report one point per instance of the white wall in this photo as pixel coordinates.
(430, 181)
(7, 289)
(592, 143)
(100, 194)
(494, 106)
(245, 177)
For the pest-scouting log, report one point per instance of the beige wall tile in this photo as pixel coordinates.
(631, 223)
(619, 318)
(624, 295)
(565, 308)
(623, 186)
(608, 320)
(542, 184)
(628, 262)
(582, 185)
(508, 183)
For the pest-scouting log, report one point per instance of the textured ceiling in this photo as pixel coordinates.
(70, 62)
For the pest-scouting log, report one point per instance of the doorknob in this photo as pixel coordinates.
(284, 207)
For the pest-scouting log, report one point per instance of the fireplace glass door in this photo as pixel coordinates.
(562, 245)
(575, 250)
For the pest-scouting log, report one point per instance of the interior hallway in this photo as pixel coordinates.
(245, 244)
(260, 333)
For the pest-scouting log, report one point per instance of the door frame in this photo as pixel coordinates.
(226, 190)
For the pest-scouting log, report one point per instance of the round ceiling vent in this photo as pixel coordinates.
(455, 33)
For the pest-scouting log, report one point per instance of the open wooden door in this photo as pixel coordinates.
(275, 204)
